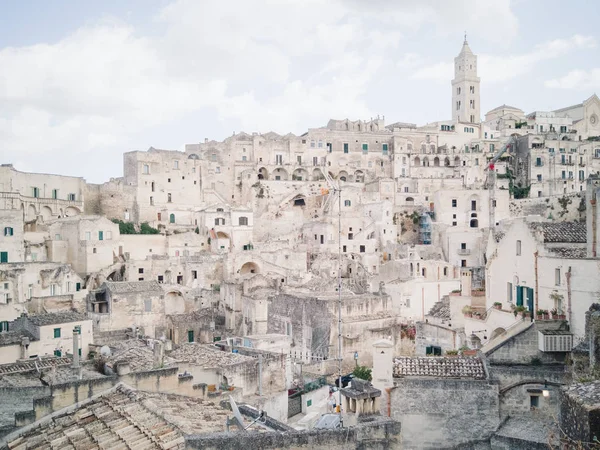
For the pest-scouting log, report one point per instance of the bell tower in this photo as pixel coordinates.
(465, 87)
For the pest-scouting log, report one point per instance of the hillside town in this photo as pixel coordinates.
(362, 285)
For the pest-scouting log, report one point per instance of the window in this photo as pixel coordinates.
(100, 235)
(146, 169)
(172, 218)
(71, 197)
(35, 192)
(4, 325)
(473, 205)
(88, 236)
(454, 203)
(57, 353)
(244, 158)
(518, 248)
(8, 231)
(365, 149)
(320, 143)
(463, 246)
(539, 177)
(169, 198)
(161, 279)
(347, 203)
(534, 401)
(194, 274)
(453, 224)
(564, 175)
(445, 271)
(557, 277)
(108, 235)
(243, 221)
(350, 236)
(94, 250)
(217, 169)
(175, 164)
(509, 292)
(472, 89)
(384, 149)
(463, 263)
(54, 194)
(151, 200)
(312, 143)
(56, 332)
(491, 147)
(299, 159)
(362, 248)
(141, 270)
(279, 159)
(344, 248)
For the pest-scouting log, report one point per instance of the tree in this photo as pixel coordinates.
(125, 227)
(362, 372)
(147, 229)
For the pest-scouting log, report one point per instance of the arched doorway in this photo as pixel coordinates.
(46, 213)
(343, 176)
(436, 161)
(171, 218)
(249, 267)
(72, 211)
(263, 174)
(359, 176)
(317, 175)
(300, 175)
(280, 174)
(174, 303)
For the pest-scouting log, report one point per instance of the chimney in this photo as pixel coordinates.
(76, 347)
(24, 348)
(158, 354)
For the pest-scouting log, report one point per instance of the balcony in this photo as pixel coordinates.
(464, 251)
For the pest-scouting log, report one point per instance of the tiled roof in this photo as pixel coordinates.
(441, 309)
(137, 353)
(124, 418)
(194, 316)
(439, 367)
(207, 356)
(14, 337)
(557, 232)
(123, 287)
(569, 252)
(57, 317)
(33, 364)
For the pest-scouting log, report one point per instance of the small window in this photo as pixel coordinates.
(243, 221)
(463, 263)
(72, 197)
(384, 149)
(169, 198)
(518, 248)
(8, 231)
(362, 248)
(365, 148)
(146, 169)
(463, 246)
(55, 194)
(57, 353)
(454, 203)
(100, 235)
(345, 147)
(57, 332)
(347, 203)
(534, 401)
(141, 270)
(175, 164)
(194, 274)
(557, 277)
(94, 250)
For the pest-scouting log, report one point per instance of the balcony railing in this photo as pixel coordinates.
(464, 251)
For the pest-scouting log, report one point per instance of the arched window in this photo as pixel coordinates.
(347, 203)
(474, 223)
(243, 221)
(172, 218)
(445, 271)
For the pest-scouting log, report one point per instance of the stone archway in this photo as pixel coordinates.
(174, 303)
(72, 211)
(31, 212)
(46, 213)
(249, 267)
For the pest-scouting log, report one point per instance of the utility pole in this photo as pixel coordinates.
(340, 304)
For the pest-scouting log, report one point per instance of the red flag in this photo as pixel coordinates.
(491, 166)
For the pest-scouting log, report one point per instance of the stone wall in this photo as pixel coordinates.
(444, 411)
(558, 207)
(431, 334)
(580, 416)
(376, 433)
(523, 347)
(18, 400)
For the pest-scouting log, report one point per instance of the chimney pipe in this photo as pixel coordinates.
(76, 347)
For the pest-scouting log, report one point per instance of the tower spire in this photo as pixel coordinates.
(465, 36)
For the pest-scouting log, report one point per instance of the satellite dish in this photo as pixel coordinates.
(105, 350)
(237, 419)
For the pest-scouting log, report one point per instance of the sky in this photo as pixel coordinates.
(82, 82)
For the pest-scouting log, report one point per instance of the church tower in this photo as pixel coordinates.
(465, 87)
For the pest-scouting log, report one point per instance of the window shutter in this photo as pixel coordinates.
(519, 296)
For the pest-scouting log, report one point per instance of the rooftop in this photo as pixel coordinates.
(439, 367)
(137, 353)
(14, 337)
(559, 232)
(206, 355)
(41, 320)
(124, 287)
(124, 418)
(585, 393)
(33, 364)
(569, 252)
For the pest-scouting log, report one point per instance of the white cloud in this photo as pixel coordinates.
(577, 79)
(495, 68)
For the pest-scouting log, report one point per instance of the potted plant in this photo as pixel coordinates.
(467, 311)
(451, 352)
(455, 292)
(554, 313)
(497, 305)
(521, 309)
